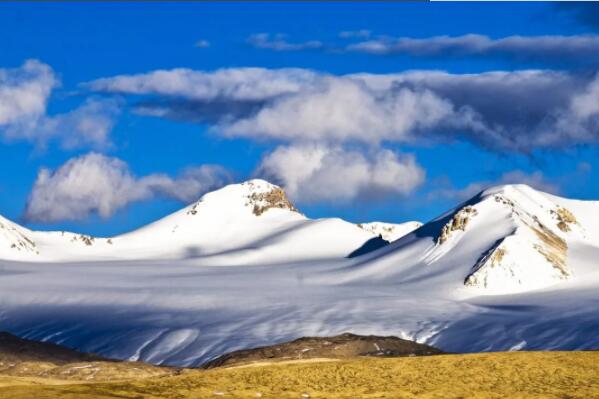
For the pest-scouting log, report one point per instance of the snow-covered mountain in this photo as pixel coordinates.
(505, 240)
(238, 224)
(512, 268)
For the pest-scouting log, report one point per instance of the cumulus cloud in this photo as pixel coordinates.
(24, 95)
(316, 117)
(312, 172)
(503, 111)
(97, 184)
(342, 110)
(24, 91)
(279, 42)
(89, 125)
(535, 179)
(547, 47)
(510, 111)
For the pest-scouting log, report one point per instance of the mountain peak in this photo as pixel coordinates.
(515, 192)
(531, 230)
(256, 194)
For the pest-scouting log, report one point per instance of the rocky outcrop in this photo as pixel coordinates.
(565, 219)
(274, 198)
(193, 210)
(553, 248)
(459, 221)
(85, 239)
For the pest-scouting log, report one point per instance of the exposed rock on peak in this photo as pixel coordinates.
(565, 218)
(262, 201)
(258, 195)
(459, 221)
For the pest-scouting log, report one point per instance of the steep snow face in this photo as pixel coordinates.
(247, 223)
(535, 254)
(16, 242)
(506, 240)
(389, 231)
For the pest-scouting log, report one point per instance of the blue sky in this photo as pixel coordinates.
(150, 144)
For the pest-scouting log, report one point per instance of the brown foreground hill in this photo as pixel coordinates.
(342, 346)
(31, 359)
(26, 373)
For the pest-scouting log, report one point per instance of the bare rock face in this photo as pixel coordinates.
(85, 239)
(459, 221)
(338, 347)
(565, 219)
(274, 198)
(553, 248)
(194, 209)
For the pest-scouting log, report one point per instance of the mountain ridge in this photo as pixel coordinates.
(479, 277)
(244, 217)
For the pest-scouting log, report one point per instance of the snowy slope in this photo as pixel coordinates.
(246, 223)
(513, 268)
(16, 241)
(390, 231)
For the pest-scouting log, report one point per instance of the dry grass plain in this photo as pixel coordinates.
(485, 375)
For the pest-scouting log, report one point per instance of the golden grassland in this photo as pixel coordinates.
(484, 375)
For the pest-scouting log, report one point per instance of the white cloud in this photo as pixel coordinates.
(89, 125)
(229, 84)
(314, 172)
(503, 111)
(586, 104)
(24, 91)
(97, 184)
(24, 96)
(583, 48)
(547, 47)
(278, 42)
(345, 110)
